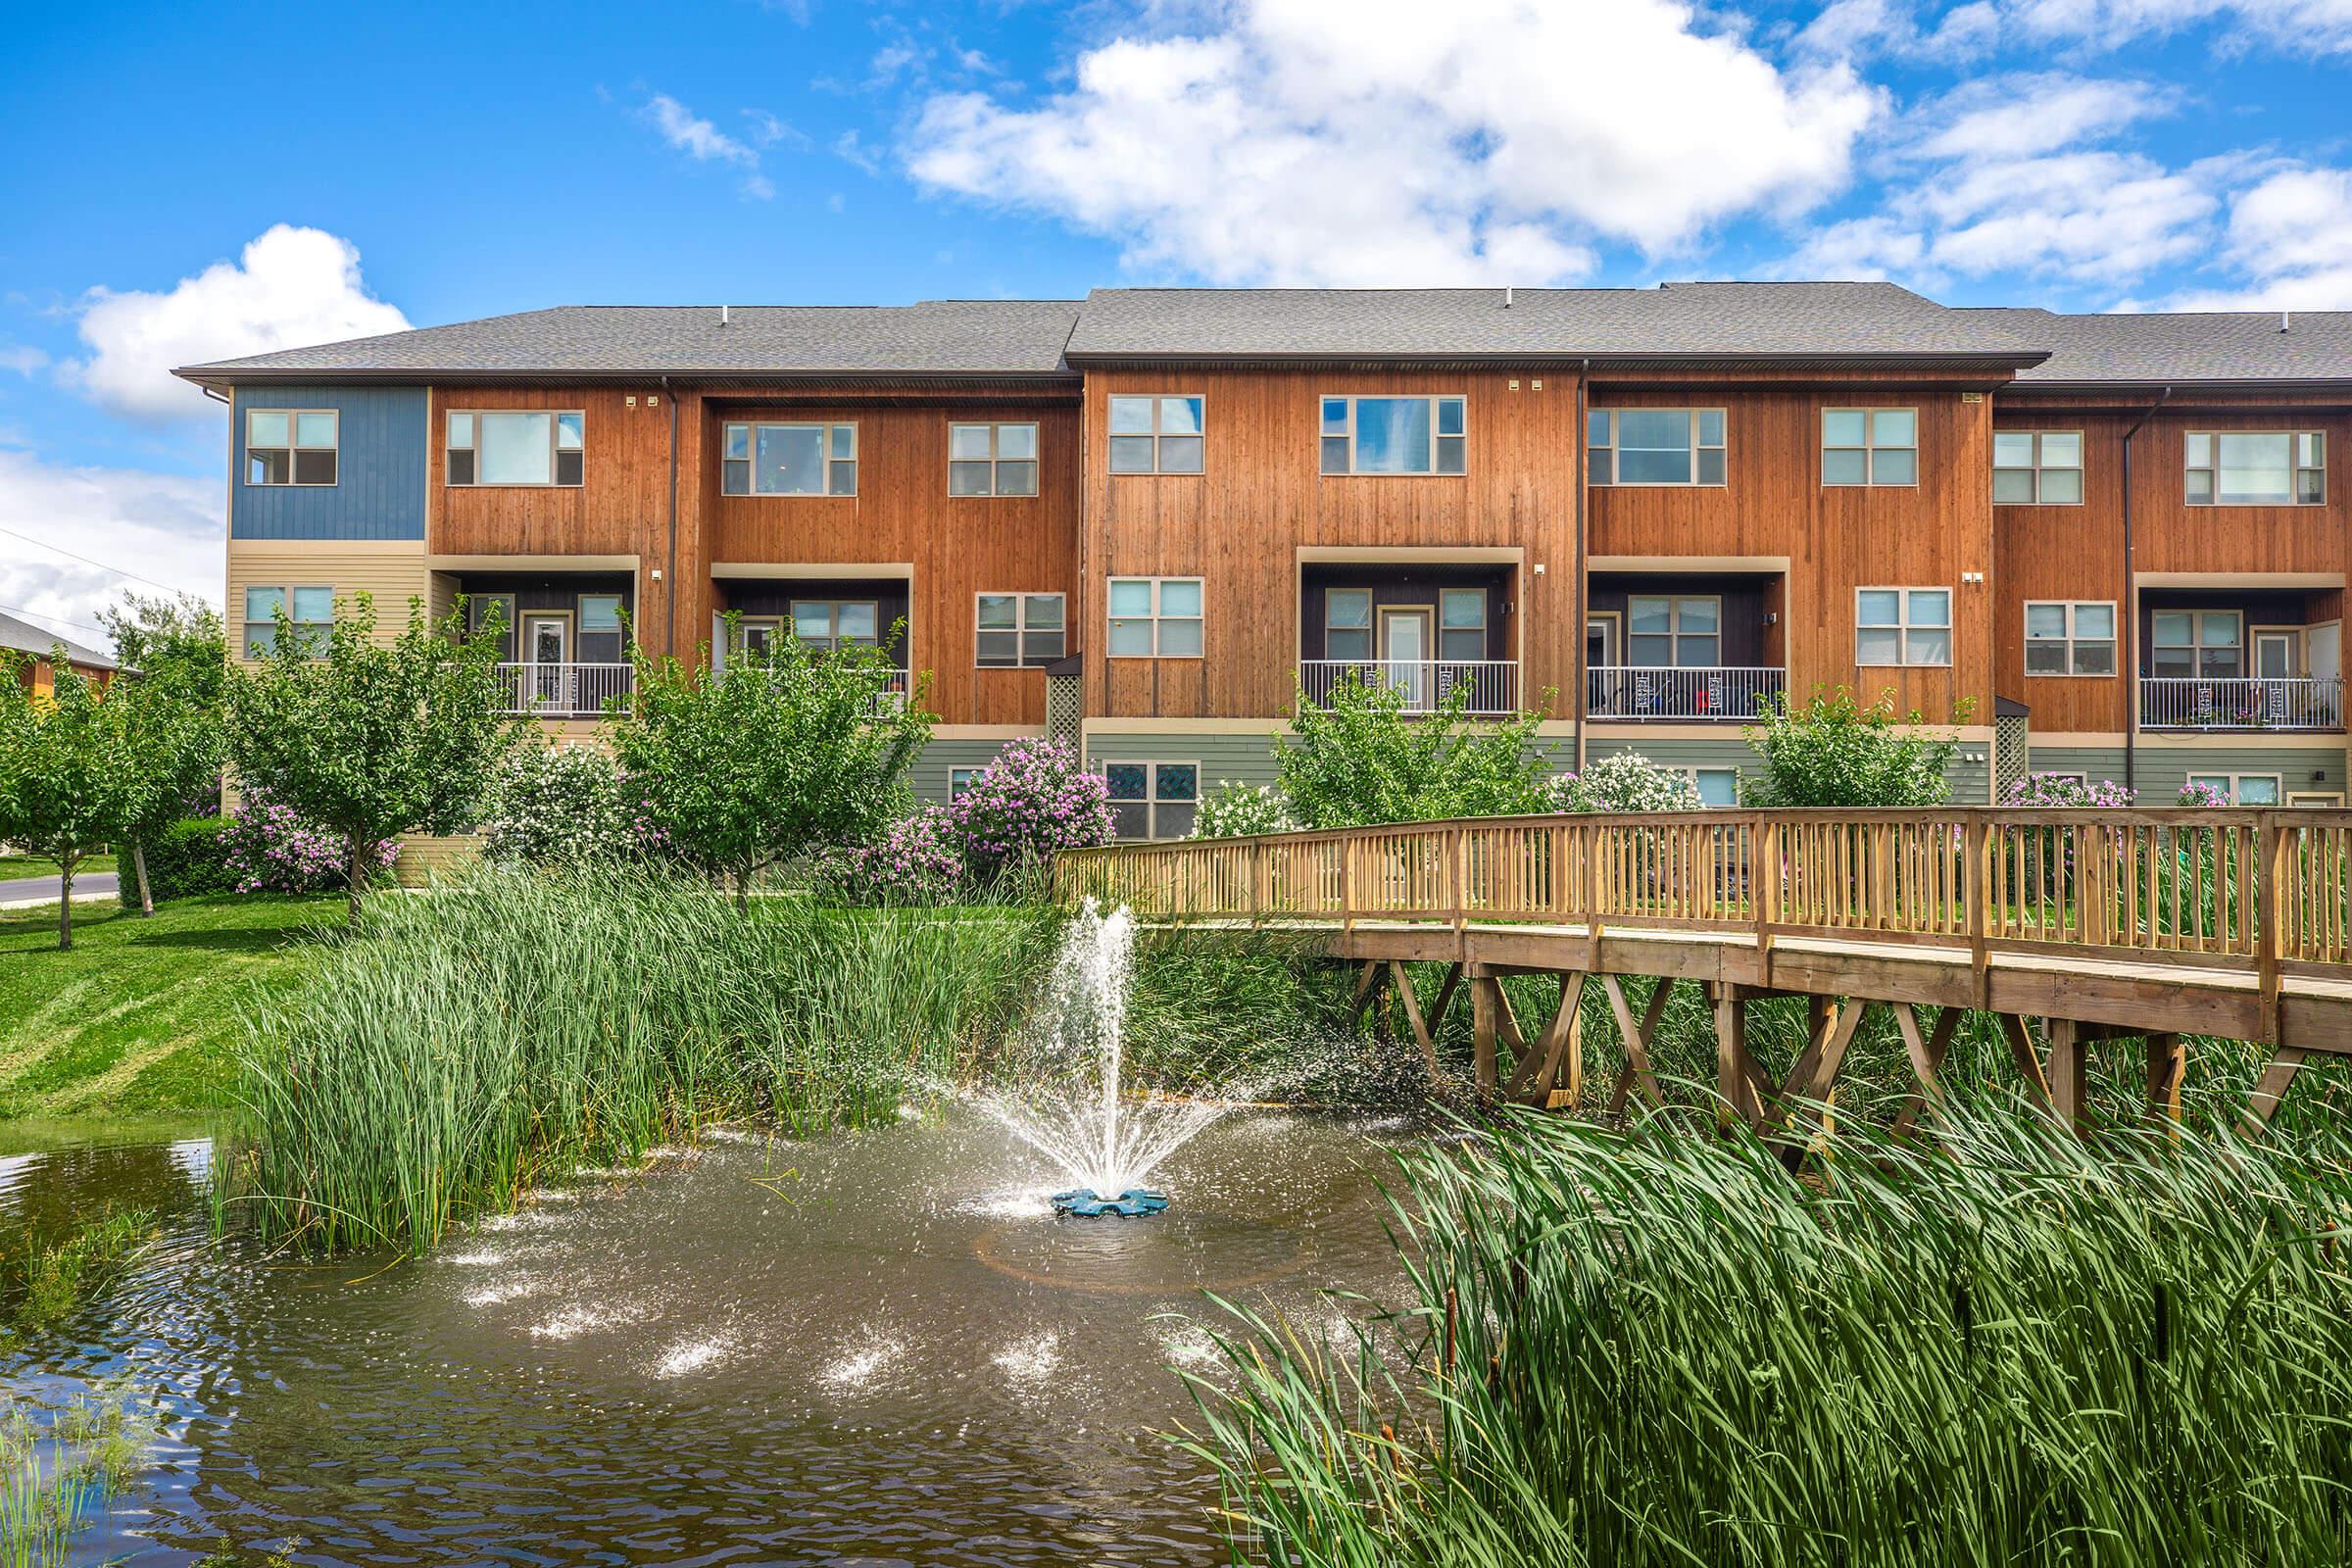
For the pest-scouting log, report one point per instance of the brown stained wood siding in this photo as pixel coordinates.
(1241, 524)
(1835, 540)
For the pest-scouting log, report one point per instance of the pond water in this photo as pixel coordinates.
(875, 1348)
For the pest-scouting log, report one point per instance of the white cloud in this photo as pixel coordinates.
(291, 287)
(2290, 235)
(704, 142)
(21, 358)
(1482, 140)
(2300, 25)
(166, 527)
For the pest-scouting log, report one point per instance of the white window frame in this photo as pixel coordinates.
(2308, 799)
(1604, 420)
(1903, 626)
(2211, 467)
(471, 446)
(2071, 641)
(315, 631)
(1160, 434)
(1674, 634)
(1152, 801)
(840, 440)
(960, 780)
(1020, 631)
(1438, 436)
(996, 463)
(1691, 770)
(293, 449)
(1157, 618)
(2234, 781)
(1870, 449)
(832, 641)
(2196, 645)
(2038, 468)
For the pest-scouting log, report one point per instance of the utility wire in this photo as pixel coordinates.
(56, 620)
(87, 561)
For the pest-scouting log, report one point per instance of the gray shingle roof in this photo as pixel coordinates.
(2185, 347)
(26, 638)
(938, 337)
(1827, 320)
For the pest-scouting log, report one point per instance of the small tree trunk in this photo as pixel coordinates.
(65, 860)
(138, 859)
(357, 871)
(743, 891)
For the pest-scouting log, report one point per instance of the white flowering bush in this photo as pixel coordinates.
(558, 805)
(1627, 781)
(1242, 811)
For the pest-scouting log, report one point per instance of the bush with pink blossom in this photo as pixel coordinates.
(918, 860)
(267, 849)
(1035, 799)
(2194, 793)
(2064, 788)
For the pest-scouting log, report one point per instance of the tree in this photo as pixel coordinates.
(69, 779)
(369, 739)
(174, 654)
(1833, 752)
(771, 756)
(1361, 760)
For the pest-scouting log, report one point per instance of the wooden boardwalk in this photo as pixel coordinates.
(2142, 924)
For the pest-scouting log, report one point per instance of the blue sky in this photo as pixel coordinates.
(197, 182)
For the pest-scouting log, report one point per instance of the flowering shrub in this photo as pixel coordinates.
(2058, 789)
(1627, 781)
(2202, 795)
(918, 860)
(1240, 810)
(267, 848)
(1034, 799)
(552, 804)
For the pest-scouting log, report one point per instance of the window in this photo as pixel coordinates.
(831, 623)
(1902, 626)
(1678, 632)
(2241, 789)
(1156, 434)
(1018, 630)
(2037, 467)
(1869, 446)
(959, 781)
(1153, 800)
(2256, 468)
(756, 635)
(992, 459)
(290, 446)
(1716, 786)
(1395, 435)
(600, 628)
(312, 610)
(2069, 639)
(1462, 625)
(492, 448)
(789, 460)
(482, 608)
(1654, 446)
(1156, 617)
(2196, 643)
(1348, 623)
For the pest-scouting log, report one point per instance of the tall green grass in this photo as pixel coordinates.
(1653, 1348)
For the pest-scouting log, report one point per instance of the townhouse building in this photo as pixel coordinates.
(1150, 519)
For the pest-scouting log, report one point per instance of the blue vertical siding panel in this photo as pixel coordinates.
(379, 472)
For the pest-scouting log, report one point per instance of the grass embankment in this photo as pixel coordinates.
(1653, 1348)
(139, 1014)
(460, 1046)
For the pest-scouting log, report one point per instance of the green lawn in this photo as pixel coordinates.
(13, 866)
(140, 1016)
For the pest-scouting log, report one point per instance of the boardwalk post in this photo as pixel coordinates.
(2270, 939)
(1482, 1033)
(1976, 907)
(2069, 1072)
(1734, 1073)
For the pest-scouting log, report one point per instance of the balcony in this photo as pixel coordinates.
(1493, 684)
(1648, 692)
(2248, 703)
(564, 691)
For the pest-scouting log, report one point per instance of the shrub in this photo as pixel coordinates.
(267, 848)
(918, 860)
(2201, 794)
(1360, 758)
(186, 861)
(1625, 782)
(1034, 799)
(1834, 752)
(552, 804)
(2058, 789)
(1244, 810)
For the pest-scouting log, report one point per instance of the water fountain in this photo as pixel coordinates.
(1072, 1107)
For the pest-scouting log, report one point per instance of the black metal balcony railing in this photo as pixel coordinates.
(1493, 684)
(2296, 702)
(1650, 692)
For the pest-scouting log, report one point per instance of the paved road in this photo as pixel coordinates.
(43, 889)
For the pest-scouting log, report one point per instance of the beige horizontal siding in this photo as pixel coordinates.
(392, 571)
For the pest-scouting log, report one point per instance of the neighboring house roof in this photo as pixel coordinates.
(26, 638)
(2192, 347)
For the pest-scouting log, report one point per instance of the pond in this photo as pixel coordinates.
(872, 1349)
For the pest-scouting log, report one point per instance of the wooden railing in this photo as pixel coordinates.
(2265, 891)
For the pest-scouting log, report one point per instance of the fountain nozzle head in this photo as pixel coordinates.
(1132, 1203)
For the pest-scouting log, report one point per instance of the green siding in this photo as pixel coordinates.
(1970, 771)
(1224, 758)
(929, 777)
(2160, 771)
(2093, 763)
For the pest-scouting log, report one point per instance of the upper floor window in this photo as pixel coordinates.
(1156, 434)
(1462, 624)
(2037, 467)
(1681, 631)
(1654, 446)
(516, 447)
(1869, 446)
(992, 459)
(788, 459)
(1396, 435)
(1019, 629)
(832, 623)
(1156, 617)
(290, 446)
(1902, 626)
(312, 611)
(2067, 638)
(2255, 468)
